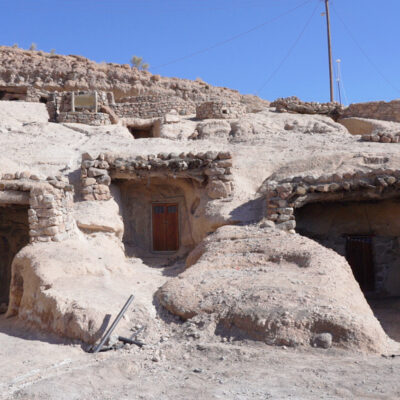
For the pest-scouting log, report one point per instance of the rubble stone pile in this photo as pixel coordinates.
(382, 137)
(295, 105)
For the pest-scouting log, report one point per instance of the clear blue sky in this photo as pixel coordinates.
(164, 30)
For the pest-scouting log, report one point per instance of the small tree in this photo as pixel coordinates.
(15, 46)
(33, 46)
(53, 51)
(137, 62)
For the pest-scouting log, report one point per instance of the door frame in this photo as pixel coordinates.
(166, 202)
(371, 237)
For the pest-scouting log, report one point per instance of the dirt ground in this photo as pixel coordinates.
(387, 311)
(180, 361)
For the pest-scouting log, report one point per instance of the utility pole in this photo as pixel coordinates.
(328, 27)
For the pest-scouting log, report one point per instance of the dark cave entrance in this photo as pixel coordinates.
(366, 233)
(141, 132)
(13, 93)
(14, 235)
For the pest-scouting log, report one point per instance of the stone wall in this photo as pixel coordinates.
(387, 111)
(283, 197)
(295, 105)
(220, 110)
(212, 169)
(88, 118)
(50, 202)
(151, 106)
(382, 137)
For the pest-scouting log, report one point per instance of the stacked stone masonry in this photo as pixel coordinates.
(382, 137)
(295, 105)
(220, 110)
(88, 118)
(143, 107)
(283, 197)
(213, 170)
(50, 201)
(387, 111)
(151, 106)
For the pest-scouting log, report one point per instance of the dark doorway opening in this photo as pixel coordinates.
(13, 93)
(14, 235)
(165, 227)
(367, 233)
(360, 257)
(43, 100)
(141, 132)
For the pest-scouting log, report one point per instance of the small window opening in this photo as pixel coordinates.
(43, 99)
(224, 111)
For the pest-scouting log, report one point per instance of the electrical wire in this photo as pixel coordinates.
(368, 58)
(280, 65)
(232, 38)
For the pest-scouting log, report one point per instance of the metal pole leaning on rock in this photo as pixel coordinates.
(113, 325)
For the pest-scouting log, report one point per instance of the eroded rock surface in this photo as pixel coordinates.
(275, 287)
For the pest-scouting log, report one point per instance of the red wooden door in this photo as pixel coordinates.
(165, 227)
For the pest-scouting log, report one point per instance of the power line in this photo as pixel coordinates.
(289, 52)
(377, 69)
(231, 39)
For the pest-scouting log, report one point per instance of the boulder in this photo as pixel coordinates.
(279, 288)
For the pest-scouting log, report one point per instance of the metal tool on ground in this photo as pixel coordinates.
(113, 325)
(131, 341)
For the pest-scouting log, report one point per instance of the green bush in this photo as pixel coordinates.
(137, 62)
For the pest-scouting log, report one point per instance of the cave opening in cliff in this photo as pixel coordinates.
(141, 132)
(13, 93)
(14, 235)
(366, 233)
